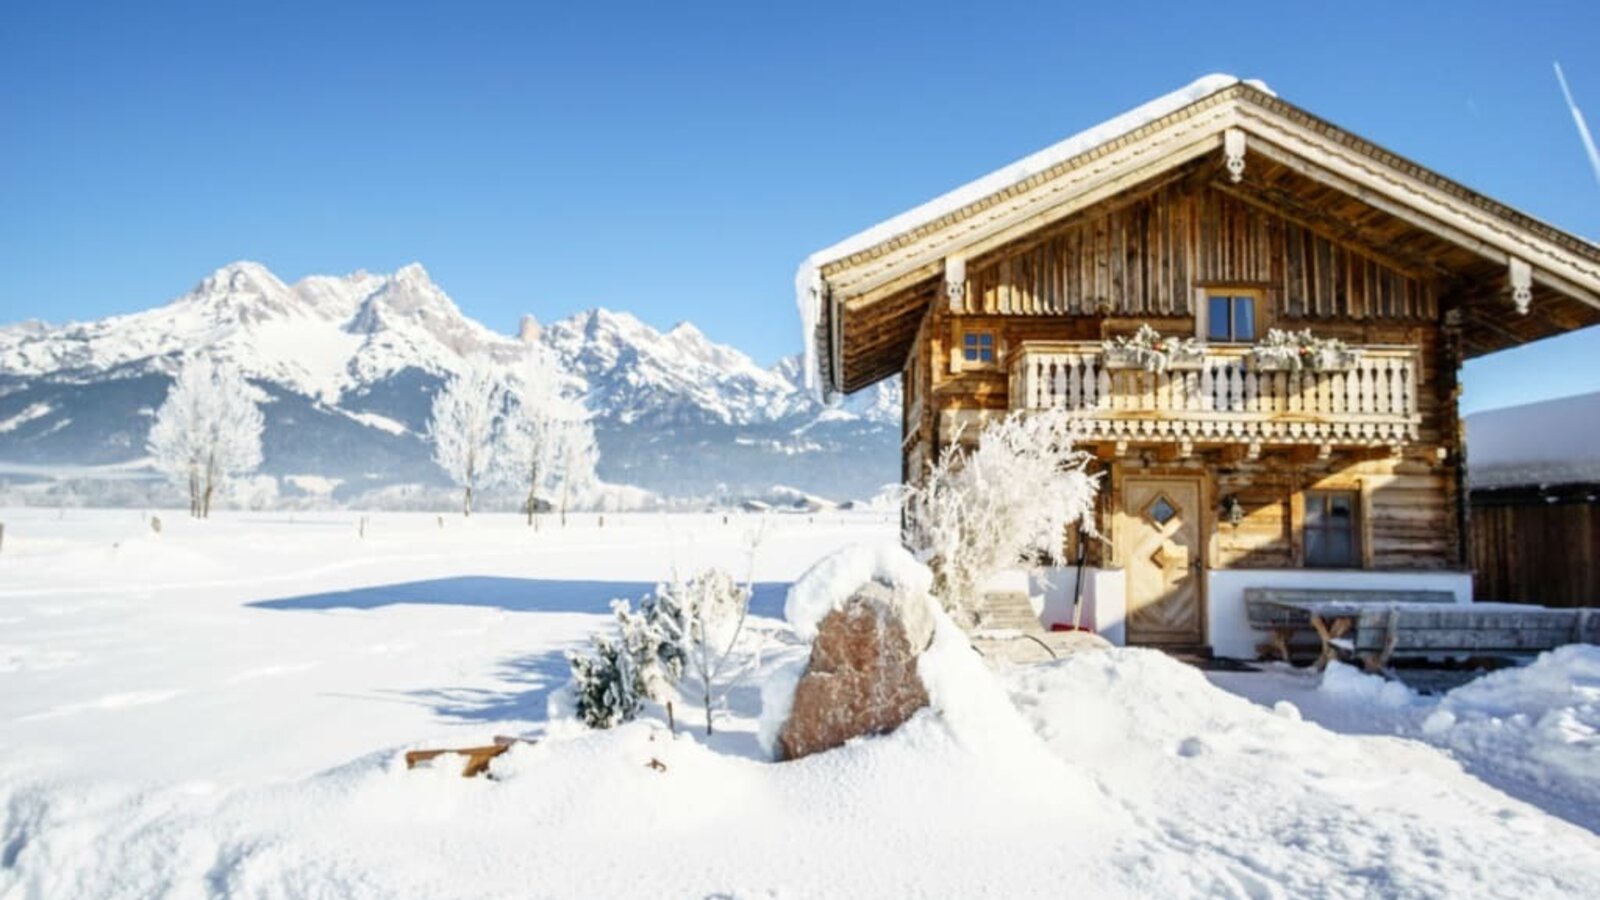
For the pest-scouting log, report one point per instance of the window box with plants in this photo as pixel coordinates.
(1151, 351)
(1301, 351)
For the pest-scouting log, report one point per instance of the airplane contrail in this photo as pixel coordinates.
(1583, 127)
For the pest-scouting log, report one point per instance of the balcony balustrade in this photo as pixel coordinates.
(1224, 398)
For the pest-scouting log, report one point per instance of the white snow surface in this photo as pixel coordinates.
(828, 584)
(221, 711)
(1533, 731)
(808, 277)
(1549, 442)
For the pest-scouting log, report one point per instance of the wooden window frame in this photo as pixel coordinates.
(958, 349)
(1357, 530)
(1202, 316)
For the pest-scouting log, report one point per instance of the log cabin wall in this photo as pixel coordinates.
(1536, 545)
(916, 381)
(1142, 262)
(1146, 255)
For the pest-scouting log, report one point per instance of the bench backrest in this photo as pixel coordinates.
(1258, 602)
(1464, 628)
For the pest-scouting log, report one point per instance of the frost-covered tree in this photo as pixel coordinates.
(207, 431)
(685, 636)
(462, 428)
(538, 413)
(1004, 503)
(574, 457)
(710, 613)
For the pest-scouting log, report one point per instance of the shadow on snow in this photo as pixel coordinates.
(510, 594)
(528, 680)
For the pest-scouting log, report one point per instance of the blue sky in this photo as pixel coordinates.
(678, 160)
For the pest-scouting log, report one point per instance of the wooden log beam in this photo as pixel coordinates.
(1380, 199)
(1329, 633)
(477, 758)
(1379, 662)
(1283, 203)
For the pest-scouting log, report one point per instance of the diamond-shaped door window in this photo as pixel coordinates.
(1161, 510)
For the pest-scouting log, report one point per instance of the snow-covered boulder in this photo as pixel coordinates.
(868, 612)
(862, 675)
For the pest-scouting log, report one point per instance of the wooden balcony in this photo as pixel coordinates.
(1223, 399)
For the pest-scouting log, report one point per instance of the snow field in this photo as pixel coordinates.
(1531, 731)
(221, 711)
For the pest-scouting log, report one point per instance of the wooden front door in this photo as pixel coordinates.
(1160, 545)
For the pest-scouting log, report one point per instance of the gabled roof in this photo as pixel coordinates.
(894, 263)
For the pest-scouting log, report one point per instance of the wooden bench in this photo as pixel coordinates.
(1483, 629)
(1377, 631)
(1278, 612)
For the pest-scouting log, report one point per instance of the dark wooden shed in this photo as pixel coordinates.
(1534, 472)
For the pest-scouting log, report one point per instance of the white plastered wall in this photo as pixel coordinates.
(1104, 599)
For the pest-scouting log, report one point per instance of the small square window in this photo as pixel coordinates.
(1231, 318)
(978, 346)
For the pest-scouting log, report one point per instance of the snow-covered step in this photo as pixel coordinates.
(1009, 610)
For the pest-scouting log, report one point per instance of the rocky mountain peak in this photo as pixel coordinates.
(367, 348)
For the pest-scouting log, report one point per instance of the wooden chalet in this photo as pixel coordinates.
(1218, 212)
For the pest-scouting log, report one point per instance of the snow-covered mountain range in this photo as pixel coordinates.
(348, 366)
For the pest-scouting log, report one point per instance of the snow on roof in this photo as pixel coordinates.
(807, 282)
(1551, 442)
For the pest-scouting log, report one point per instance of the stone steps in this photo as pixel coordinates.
(1010, 611)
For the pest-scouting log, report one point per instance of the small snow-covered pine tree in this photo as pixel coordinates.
(537, 413)
(608, 687)
(653, 637)
(462, 428)
(207, 432)
(686, 628)
(1005, 503)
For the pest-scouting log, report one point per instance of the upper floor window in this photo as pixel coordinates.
(977, 347)
(1230, 317)
(1330, 529)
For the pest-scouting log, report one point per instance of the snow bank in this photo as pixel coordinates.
(967, 697)
(1348, 684)
(777, 701)
(825, 586)
(1538, 724)
(808, 279)
(1531, 731)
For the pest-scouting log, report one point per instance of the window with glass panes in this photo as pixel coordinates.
(1230, 318)
(978, 347)
(1330, 529)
